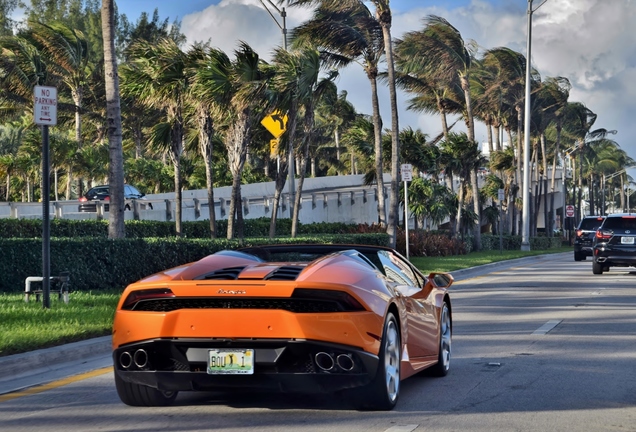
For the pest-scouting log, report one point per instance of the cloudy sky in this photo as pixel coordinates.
(590, 42)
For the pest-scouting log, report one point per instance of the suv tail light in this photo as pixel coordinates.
(579, 233)
(83, 199)
(603, 235)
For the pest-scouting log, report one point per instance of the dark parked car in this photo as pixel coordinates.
(614, 243)
(88, 203)
(584, 240)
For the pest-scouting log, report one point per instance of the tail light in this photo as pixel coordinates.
(603, 235)
(579, 233)
(83, 199)
(107, 198)
(149, 294)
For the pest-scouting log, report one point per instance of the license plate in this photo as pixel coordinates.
(627, 240)
(231, 362)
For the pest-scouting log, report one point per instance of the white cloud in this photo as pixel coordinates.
(591, 42)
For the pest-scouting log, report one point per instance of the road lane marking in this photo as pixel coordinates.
(55, 384)
(402, 428)
(545, 328)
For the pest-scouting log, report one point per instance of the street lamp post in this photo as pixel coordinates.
(525, 235)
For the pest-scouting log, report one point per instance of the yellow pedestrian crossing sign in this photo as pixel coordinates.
(275, 123)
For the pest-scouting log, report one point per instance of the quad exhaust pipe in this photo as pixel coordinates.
(324, 361)
(345, 362)
(125, 360)
(327, 362)
(139, 359)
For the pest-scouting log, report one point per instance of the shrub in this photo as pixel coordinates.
(98, 263)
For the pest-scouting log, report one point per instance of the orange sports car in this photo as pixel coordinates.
(296, 318)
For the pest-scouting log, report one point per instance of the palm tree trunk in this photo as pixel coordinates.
(281, 176)
(377, 136)
(116, 227)
(206, 131)
(383, 16)
(470, 122)
(236, 144)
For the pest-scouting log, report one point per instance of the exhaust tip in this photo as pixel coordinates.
(125, 360)
(140, 358)
(324, 361)
(345, 362)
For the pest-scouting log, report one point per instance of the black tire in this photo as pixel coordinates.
(444, 355)
(597, 268)
(578, 256)
(140, 395)
(383, 392)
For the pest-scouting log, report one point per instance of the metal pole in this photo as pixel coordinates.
(46, 234)
(406, 216)
(525, 235)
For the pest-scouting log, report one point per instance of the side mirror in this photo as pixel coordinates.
(441, 280)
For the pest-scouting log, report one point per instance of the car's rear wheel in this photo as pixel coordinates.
(578, 256)
(444, 356)
(141, 395)
(383, 392)
(597, 268)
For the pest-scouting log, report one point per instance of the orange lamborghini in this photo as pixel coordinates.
(295, 318)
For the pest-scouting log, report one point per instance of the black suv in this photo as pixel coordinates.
(585, 233)
(614, 243)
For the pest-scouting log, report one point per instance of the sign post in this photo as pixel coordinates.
(45, 115)
(501, 195)
(276, 124)
(407, 176)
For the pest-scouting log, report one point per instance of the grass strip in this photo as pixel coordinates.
(28, 326)
(458, 262)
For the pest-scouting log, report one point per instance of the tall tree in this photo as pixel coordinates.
(156, 76)
(384, 17)
(116, 228)
(439, 51)
(347, 32)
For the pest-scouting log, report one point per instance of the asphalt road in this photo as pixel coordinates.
(541, 346)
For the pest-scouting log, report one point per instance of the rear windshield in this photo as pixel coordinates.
(591, 224)
(620, 223)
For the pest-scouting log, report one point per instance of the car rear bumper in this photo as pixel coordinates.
(279, 365)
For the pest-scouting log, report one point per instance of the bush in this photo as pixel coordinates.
(99, 263)
(32, 228)
(424, 243)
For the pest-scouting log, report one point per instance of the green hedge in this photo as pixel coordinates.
(100, 263)
(32, 228)
(491, 242)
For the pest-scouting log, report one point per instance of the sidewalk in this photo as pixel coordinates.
(42, 366)
(20, 371)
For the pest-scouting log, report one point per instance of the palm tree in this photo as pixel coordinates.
(346, 32)
(312, 90)
(337, 112)
(116, 228)
(236, 85)
(439, 51)
(384, 17)
(206, 106)
(156, 76)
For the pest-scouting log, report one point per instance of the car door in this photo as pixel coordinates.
(420, 310)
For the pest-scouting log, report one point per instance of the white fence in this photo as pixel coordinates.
(326, 199)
